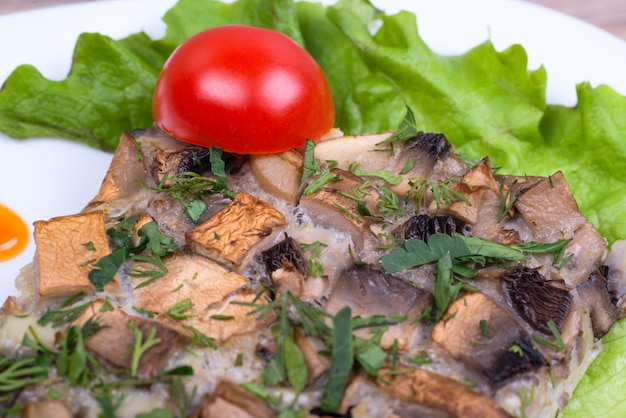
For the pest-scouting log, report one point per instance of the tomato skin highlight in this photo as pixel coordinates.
(245, 89)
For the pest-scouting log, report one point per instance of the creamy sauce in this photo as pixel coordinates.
(13, 233)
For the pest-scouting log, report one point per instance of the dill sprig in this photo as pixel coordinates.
(507, 197)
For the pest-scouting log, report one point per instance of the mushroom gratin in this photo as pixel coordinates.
(367, 276)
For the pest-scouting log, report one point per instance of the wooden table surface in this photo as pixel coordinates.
(609, 15)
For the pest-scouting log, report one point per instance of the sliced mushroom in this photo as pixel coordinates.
(67, 248)
(232, 316)
(549, 209)
(363, 397)
(596, 295)
(487, 338)
(419, 157)
(174, 157)
(583, 255)
(286, 266)
(438, 392)
(233, 401)
(279, 174)
(229, 234)
(415, 157)
(316, 363)
(473, 185)
(371, 292)
(172, 161)
(616, 277)
(536, 299)
(210, 288)
(330, 208)
(171, 218)
(482, 205)
(125, 173)
(364, 150)
(286, 254)
(116, 338)
(197, 278)
(423, 226)
(46, 409)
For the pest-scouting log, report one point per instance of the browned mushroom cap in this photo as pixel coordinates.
(595, 294)
(228, 235)
(370, 292)
(46, 409)
(231, 400)
(115, 338)
(549, 208)
(330, 208)
(279, 174)
(438, 392)
(487, 338)
(203, 281)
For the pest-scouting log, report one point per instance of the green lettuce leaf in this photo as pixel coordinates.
(600, 393)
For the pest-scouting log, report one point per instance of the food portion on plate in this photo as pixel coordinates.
(378, 275)
(386, 274)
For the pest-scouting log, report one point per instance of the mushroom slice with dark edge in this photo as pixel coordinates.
(116, 338)
(173, 161)
(423, 226)
(369, 291)
(595, 294)
(330, 208)
(228, 235)
(536, 299)
(232, 401)
(487, 338)
(419, 158)
(286, 266)
(438, 392)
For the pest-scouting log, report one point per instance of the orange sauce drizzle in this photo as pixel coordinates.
(13, 233)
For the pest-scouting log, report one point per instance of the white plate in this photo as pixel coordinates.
(44, 178)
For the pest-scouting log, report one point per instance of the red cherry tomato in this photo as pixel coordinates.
(245, 89)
